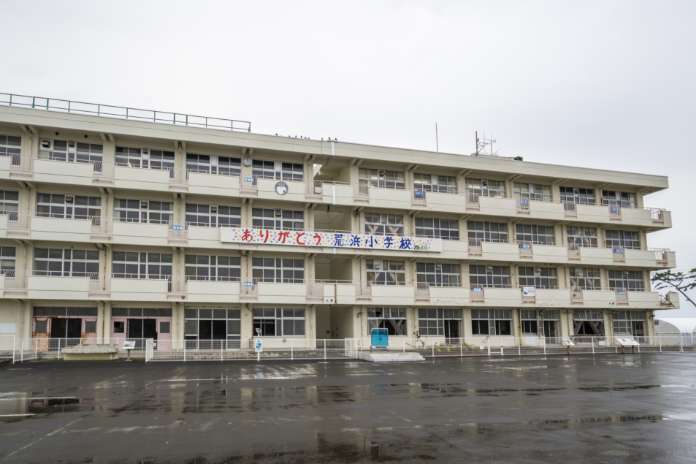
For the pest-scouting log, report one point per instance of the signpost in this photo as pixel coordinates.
(258, 347)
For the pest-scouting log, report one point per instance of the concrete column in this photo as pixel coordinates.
(106, 321)
(410, 268)
(178, 270)
(179, 209)
(180, 163)
(604, 279)
(650, 323)
(555, 192)
(22, 256)
(608, 325)
(560, 235)
(108, 266)
(309, 269)
(24, 323)
(517, 326)
(466, 324)
(409, 225)
(308, 218)
(177, 326)
(246, 325)
(566, 322)
(245, 212)
(310, 322)
(411, 322)
(100, 322)
(108, 158)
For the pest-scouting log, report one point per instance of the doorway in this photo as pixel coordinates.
(451, 328)
(141, 329)
(66, 327)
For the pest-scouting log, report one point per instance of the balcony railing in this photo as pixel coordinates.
(122, 112)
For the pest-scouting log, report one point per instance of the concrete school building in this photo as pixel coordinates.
(117, 224)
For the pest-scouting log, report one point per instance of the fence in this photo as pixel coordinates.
(17, 349)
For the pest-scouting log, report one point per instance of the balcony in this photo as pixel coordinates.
(266, 189)
(445, 296)
(212, 291)
(334, 193)
(127, 289)
(281, 293)
(389, 295)
(10, 286)
(603, 214)
(126, 177)
(384, 197)
(141, 233)
(437, 201)
(62, 229)
(62, 172)
(213, 184)
(59, 288)
(618, 299)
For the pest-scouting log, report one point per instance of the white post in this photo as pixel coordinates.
(659, 342)
(36, 349)
(221, 351)
(292, 351)
(21, 350)
(14, 347)
(324, 349)
(592, 343)
(432, 350)
(184, 350)
(681, 342)
(403, 346)
(543, 341)
(59, 348)
(488, 341)
(461, 348)
(502, 353)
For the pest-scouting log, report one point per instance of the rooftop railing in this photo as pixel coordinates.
(122, 112)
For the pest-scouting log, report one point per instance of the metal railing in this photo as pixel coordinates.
(122, 112)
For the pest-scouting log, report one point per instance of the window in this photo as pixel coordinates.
(438, 274)
(487, 232)
(144, 211)
(491, 321)
(278, 270)
(582, 237)
(380, 178)
(212, 215)
(626, 281)
(629, 323)
(434, 183)
(385, 272)
(536, 233)
(278, 170)
(9, 204)
(202, 325)
(536, 192)
(263, 169)
(539, 277)
(145, 159)
(66, 262)
(220, 268)
(292, 172)
(622, 199)
(484, 188)
(578, 195)
(59, 205)
(540, 322)
(584, 278)
(10, 145)
(588, 322)
(432, 321)
(142, 265)
(70, 151)
(446, 229)
(392, 319)
(8, 258)
(213, 164)
(489, 276)
(279, 322)
(384, 224)
(622, 239)
(276, 218)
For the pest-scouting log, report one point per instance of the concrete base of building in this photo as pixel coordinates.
(387, 356)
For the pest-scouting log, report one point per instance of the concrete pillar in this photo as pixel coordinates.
(26, 323)
(309, 218)
(180, 163)
(100, 322)
(466, 324)
(310, 322)
(608, 325)
(566, 322)
(178, 270)
(246, 325)
(517, 326)
(177, 326)
(106, 322)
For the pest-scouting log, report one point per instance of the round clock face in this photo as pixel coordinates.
(281, 188)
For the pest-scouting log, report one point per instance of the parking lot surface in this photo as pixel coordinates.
(608, 408)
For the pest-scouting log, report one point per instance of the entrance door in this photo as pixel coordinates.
(451, 328)
(135, 328)
(550, 329)
(150, 328)
(74, 328)
(58, 327)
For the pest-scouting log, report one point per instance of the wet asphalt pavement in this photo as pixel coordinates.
(610, 408)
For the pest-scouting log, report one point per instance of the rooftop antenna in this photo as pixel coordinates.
(482, 143)
(437, 139)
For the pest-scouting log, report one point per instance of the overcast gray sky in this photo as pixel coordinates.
(606, 84)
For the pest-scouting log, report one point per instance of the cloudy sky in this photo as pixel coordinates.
(606, 84)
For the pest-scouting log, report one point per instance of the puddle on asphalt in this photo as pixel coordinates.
(22, 407)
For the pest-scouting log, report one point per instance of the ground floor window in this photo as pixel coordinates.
(279, 322)
(588, 322)
(392, 319)
(629, 323)
(204, 326)
(140, 324)
(63, 322)
(491, 321)
(439, 322)
(540, 322)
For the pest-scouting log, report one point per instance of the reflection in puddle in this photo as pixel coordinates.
(18, 407)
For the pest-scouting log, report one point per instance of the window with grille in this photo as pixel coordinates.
(537, 234)
(484, 188)
(386, 272)
(626, 281)
(143, 211)
(276, 218)
(438, 274)
(218, 268)
(381, 178)
(622, 199)
(584, 278)
(582, 237)
(212, 215)
(278, 270)
(213, 164)
(384, 224)
(536, 192)
(392, 319)
(8, 260)
(279, 322)
(10, 145)
(491, 322)
(9, 204)
(59, 205)
(434, 183)
(446, 229)
(578, 195)
(629, 323)
(622, 239)
(141, 265)
(489, 276)
(539, 277)
(478, 232)
(431, 321)
(66, 262)
(144, 158)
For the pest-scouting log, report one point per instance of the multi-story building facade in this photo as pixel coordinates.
(115, 228)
